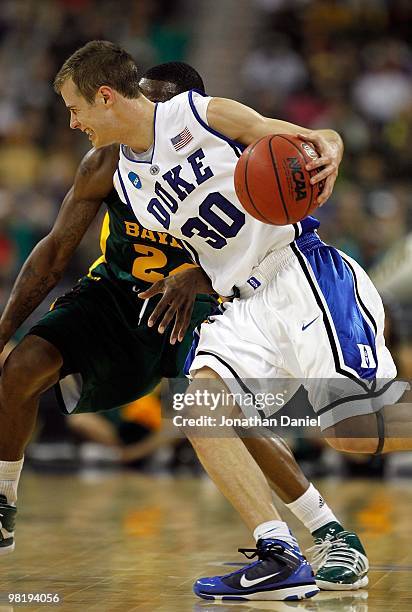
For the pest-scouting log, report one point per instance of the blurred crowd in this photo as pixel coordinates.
(345, 64)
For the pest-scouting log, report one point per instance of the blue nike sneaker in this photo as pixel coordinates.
(280, 573)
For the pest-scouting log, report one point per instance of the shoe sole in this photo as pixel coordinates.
(287, 594)
(6, 550)
(336, 586)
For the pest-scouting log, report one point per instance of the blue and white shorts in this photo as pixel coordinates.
(309, 314)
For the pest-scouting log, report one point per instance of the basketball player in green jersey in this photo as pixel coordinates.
(102, 333)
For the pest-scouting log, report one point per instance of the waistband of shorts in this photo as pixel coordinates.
(307, 242)
(275, 261)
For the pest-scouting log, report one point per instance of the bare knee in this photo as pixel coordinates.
(31, 368)
(207, 403)
(357, 434)
(205, 383)
(354, 445)
(205, 372)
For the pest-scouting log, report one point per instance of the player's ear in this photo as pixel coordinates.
(106, 95)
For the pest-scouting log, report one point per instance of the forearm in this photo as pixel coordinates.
(203, 284)
(40, 273)
(276, 126)
(246, 125)
(48, 260)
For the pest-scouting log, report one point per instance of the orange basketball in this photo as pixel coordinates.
(271, 180)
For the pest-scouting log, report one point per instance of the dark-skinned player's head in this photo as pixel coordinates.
(164, 81)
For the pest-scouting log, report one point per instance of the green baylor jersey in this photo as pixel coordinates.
(110, 356)
(132, 253)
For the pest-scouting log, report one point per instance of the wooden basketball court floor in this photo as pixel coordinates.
(125, 542)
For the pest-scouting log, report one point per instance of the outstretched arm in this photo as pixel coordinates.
(245, 125)
(45, 265)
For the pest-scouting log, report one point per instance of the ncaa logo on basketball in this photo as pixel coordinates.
(298, 178)
(309, 150)
(135, 180)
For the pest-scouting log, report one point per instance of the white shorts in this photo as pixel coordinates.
(311, 314)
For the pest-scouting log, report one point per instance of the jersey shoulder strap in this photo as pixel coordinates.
(189, 107)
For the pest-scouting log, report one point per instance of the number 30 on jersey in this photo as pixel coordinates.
(218, 219)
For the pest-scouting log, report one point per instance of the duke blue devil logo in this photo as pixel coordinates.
(367, 358)
(135, 180)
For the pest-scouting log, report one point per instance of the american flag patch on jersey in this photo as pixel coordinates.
(182, 139)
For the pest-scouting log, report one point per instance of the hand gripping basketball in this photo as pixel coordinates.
(272, 182)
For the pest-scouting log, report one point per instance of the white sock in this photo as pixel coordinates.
(274, 530)
(312, 510)
(9, 479)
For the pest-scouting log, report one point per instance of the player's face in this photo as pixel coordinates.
(94, 118)
(157, 91)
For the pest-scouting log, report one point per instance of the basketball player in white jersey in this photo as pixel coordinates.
(176, 172)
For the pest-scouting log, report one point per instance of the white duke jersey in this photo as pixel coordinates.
(186, 189)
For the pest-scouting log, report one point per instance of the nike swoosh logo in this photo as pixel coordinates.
(244, 582)
(306, 326)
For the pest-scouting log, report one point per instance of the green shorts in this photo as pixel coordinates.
(108, 358)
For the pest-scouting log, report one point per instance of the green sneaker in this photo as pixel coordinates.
(339, 559)
(7, 521)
